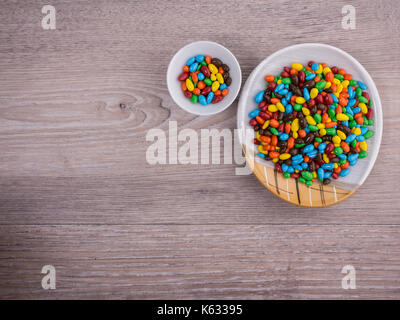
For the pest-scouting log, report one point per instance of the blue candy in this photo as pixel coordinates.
(350, 138)
(190, 61)
(342, 156)
(310, 76)
(328, 166)
(335, 99)
(285, 167)
(306, 94)
(362, 85)
(357, 110)
(327, 174)
(222, 86)
(364, 130)
(360, 138)
(210, 97)
(320, 173)
(284, 136)
(193, 67)
(290, 169)
(200, 76)
(262, 155)
(314, 66)
(308, 148)
(321, 147)
(202, 100)
(352, 102)
(254, 113)
(199, 58)
(297, 167)
(288, 108)
(283, 92)
(344, 172)
(304, 165)
(279, 87)
(259, 96)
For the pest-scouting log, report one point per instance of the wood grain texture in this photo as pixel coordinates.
(76, 190)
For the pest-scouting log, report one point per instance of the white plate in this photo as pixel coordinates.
(214, 50)
(320, 53)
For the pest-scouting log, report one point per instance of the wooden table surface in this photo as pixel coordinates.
(76, 191)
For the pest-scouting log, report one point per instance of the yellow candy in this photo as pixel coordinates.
(321, 126)
(280, 107)
(314, 174)
(319, 69)
(341, 134)
(326, 70)
(297, 66)
(345, 83)
(364, 145)
(295, 135)
(363, 107)
(328, 85)
(213, 77)
(266, 124)
(336, 81)
(258, 136)
(295, 125)
(313, 93)
(275, 160)
(342, 117)
(336, 140)
(311, 120)
(261, 149)
(215, 86)
(189, 84)
(279, 81)
(322, 132)
(325, 158)
(272, 108)
(339, 88)
(335, 165)
(356, 131)
(213, 69)
(305, 111)
(220, 78)
(297, 171)
(285, 156)
(300, 100)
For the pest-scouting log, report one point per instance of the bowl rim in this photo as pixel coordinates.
(185, 47)
(378, 124)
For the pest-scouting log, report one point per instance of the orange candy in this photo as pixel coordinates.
(225, 92)
(218, 93)
(274, 154)
(274, 123)
(196, 91)
(208, 59)
(184, 88)
(302, 133)
(265, 139)
(194, 77)
(186, 68)
(260, 120)
(329, 76)
(201, 85)
(269, 78)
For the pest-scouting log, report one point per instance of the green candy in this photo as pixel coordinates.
(302, 180)
(208, 81)
(353, 82)
(286, 81)
(317, 118)
(349, 115)
(309, 183)
(286, 175)
(318, 139)
(307, 72)
(298, 146)
(368, 134)
(274, 131)
(331, 113)
(320, 85)
(194, 98)
(203, 63)
(313, 128)
(362, 99)
(297, 107)
(359, 92)
(352, 123)
(339, 76)
(307, 175)
(338, 150)
(371, 122)
(331, 131)
(342, 161)
(353, 143)
(362, 154)
(199, 66)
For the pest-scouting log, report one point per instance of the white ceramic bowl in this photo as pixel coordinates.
(215, 50)
(320, 53)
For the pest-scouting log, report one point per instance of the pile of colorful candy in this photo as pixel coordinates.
(205, 79)
(312, 122)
